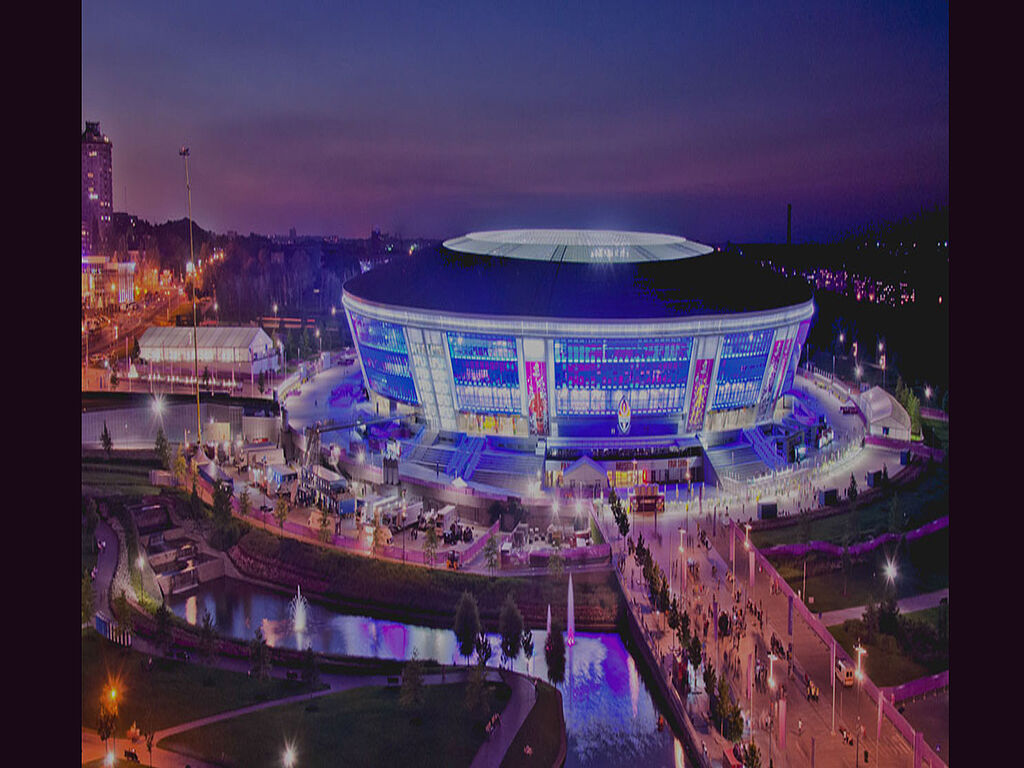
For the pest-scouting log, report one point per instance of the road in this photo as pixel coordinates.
(906, 605)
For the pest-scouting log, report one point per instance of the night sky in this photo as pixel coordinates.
(434, 119)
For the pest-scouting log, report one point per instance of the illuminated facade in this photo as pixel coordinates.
(572, 333)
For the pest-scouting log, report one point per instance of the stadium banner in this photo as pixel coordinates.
(768, 392)
(787, 347)
(794, 363)
(699, 398)
(537, 396)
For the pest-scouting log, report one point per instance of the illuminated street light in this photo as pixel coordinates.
(289, 756)
(890, 571)
(861, 651)
(771, 670)
(746, 541)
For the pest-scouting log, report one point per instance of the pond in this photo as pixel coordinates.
(610, 717)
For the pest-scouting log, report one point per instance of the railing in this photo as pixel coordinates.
(818, 628)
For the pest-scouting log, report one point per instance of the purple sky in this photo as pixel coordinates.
(433, 119)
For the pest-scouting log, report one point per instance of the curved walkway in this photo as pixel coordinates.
(524, 696)
(907, 605)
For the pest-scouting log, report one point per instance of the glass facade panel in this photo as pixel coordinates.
(592, 374)
(485, 371)
(385, 358)
(741, 368)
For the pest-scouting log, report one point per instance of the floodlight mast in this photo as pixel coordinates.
(184, 152)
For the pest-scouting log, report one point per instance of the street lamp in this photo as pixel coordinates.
(682, 562)
(771, 670)
(289, 756)
(890, 571)
(746, 541)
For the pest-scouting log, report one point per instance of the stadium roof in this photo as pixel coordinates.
(208, 337)
(454, 281)
(583, 245)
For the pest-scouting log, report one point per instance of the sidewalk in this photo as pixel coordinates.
(524, 696)
(906, 605)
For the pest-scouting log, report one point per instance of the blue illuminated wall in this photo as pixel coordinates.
(588, 373)
(486, 373)
(741, 368)
(385, 358)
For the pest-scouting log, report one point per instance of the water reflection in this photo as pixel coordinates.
(610, 718)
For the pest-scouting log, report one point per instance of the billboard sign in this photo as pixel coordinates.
(537, 396)
(699, 397)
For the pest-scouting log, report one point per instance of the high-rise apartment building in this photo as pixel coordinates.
(97, 187)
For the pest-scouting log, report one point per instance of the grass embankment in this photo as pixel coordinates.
(119, 477)
(172, 692)
(362, 726)
(425, 595)
(921, 501)
(917, 651)
(923, 566)
(541, 731)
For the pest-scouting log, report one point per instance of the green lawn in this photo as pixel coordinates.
(923, 566)
(540, 731)
(923, 501)
(885, 667)
(173, 692)
(118, 477)
(358, 727)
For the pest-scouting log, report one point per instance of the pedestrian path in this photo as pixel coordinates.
(906, 605)
(524, 696)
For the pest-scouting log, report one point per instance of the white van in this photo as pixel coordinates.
(845, 673)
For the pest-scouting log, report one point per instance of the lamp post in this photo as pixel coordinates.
(861, 651)
(682, 564)
(184, 152)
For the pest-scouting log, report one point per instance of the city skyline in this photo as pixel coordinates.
(695, 122)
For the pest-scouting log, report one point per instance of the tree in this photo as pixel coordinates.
(221, 504)
(467, 624)
(723, 624)
(195, 504)
(123, 612)
(895, 515)
(259, 656)
(136, 351)
(150, 736)
(751, 756)
(88, 600)
(484, 651)
(491, 553)
(206, 376)
(324, 531)
(180, 468)
(281, 511)
(885, 474)
(694, 651)
(163, 448)
(207, 636)
(114, 380)
(556, 562)
(510, 625)
(163, 627)
(379, 540)
(554, 653)
(412, 694)
(244, 503)
(107, 722)
(261, 382)
(310, 671)
(430, 545)
(477, 693)
(853, 487)
(105, 440)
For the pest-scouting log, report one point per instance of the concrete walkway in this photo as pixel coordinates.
(524, 696)
(907, 605)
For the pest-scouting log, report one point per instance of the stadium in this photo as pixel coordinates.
(585, 341)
